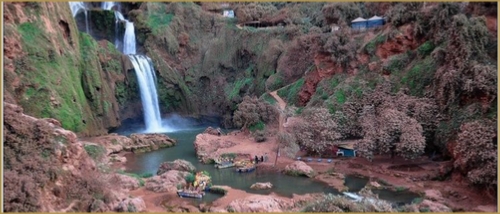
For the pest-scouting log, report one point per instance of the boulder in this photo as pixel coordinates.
(298, 168)
(148, 142)
(434, 195)
(179, 165)
(124, 181)
(258, 203)
(207, 146)
(434, 206)
(258, 185)
(113, 143)
(213, 131)
(166, 182)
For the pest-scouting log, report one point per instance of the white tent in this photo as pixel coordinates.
(375, 18)
(359, 19)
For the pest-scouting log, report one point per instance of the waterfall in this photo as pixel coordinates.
(76, 7)
(147, 83)
(107, 5)
(129, 38)
(143, 66)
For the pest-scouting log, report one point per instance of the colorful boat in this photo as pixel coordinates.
(190, 194)
(224, 165)
(247, 168)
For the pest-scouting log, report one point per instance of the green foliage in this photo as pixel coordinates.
(397, 63)
(290, 92)
(425, 49)
(268, 98)
(189, 178)
(419, 77)
(340, 96)
(371, 46)
(146, 175)
(257, 126)
(218, 190)
(400, 188)
(158, 19)
(96, 152)
(235, 88)
(136, 176)
(404, 13)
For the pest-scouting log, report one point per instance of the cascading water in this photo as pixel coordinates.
(129, 38)
(143, 67)
(108, 5)
(147, 83)
(76, 7)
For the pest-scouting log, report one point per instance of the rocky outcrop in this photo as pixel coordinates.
(124, 181)
(179, 165)
(259, 185)
(433, 206)
(259, 203)
(149, 142)
(213, 131)
(113, 143)
(166, 182)
(131, 205)
(206, 146)
(298, 168)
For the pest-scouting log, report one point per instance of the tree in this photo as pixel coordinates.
(318, 131)
(253, 111)
(476, 152)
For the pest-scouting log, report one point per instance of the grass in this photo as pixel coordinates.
(158, 20)
(420, 76)
(268, 98)
(291, 91)
(236, 87)
(96, 152)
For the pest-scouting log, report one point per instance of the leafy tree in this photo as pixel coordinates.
(253, 111)
(318, 131)
(476, 152)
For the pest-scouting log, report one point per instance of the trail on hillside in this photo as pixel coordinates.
(282, 105)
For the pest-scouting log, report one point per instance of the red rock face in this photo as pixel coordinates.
(398, 45)
(325, 67)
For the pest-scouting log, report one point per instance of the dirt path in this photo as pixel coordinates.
(281, 102)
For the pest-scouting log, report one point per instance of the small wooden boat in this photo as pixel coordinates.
(190, 194)
(224, 165)
(247, 168)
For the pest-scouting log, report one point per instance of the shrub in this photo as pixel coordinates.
(333, 203)
(404, 13)
(254, 113)
(288, 144)
(260, 136)
(341, 12)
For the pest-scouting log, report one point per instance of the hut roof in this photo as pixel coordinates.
(359, 19)
(375, 18)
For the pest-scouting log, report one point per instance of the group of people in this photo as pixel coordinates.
(262, 158)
